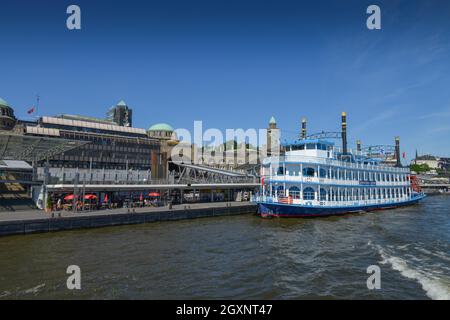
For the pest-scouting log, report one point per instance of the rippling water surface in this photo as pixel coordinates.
(241, 257)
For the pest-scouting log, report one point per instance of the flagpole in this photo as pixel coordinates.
(37, 106)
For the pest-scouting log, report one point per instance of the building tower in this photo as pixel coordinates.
(273, 138)
(7, 118)
(121, 114)
(358, 146)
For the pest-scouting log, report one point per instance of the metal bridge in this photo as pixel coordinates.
(190, 173)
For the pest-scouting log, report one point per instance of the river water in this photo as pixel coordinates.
(240, 257)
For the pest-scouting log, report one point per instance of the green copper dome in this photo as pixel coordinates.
(122, 103)
(160, 127)
(4, 103)
(272, 121)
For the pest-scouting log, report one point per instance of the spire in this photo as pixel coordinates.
(272, 120)
(122, 103)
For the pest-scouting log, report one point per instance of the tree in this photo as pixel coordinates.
(420, 167)
(49, 203)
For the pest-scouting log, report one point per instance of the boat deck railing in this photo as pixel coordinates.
(333, 162)
(324, 203)
(332, 182)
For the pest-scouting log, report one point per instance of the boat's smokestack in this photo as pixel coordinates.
(397, 152)
(344, 133)
(358, 146)
(303, 134)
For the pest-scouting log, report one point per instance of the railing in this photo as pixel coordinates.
(333, 162)
(324, 203)
(98, 176)
(327, 181)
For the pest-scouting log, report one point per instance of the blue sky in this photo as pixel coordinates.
(234, 64)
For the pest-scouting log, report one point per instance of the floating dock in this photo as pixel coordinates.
(36, 221)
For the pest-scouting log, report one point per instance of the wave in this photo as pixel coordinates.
(439, 254)
(35, 289)
(433, 287)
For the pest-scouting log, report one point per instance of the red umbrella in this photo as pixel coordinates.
(69, 197)
(90, 196)
(154, 194)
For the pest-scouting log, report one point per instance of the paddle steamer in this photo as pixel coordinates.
(314, 178)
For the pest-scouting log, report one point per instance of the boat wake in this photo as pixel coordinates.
(433, 282)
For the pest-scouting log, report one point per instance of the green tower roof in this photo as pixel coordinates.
(4, 103)
(160, 127)
(272, 121)
(122, 103)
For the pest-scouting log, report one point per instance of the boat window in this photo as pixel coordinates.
(323, 194)
(308, 193)
(279, 191)
(308, 172)
(311, 146)
(294, 192)
(280, 171)
(322, 173)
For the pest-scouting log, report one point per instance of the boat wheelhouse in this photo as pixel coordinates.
(314, 178)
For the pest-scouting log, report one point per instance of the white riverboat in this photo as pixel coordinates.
(313, 178)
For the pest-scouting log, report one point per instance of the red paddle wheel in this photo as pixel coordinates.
(415, 184)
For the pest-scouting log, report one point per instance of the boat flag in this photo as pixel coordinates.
(31, 110)
(404, 155)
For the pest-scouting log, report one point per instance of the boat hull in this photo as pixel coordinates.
(266, 209)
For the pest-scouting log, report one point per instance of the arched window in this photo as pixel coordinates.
(308, 172)
(308, 193)
(322, 173)
(279, 191)
(280, 171)
(323, 194)
(294, 192)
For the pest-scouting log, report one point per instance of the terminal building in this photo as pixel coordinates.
(54, 155)
(110, 144)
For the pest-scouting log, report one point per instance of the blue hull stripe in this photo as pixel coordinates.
(289, 210)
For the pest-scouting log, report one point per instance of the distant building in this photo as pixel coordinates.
(444, 163)
(431, 161)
